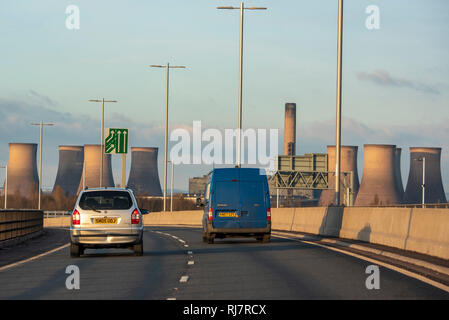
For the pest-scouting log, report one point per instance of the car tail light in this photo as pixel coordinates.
(76, 217)
(268, 214)
(135, 217)
(210, 214)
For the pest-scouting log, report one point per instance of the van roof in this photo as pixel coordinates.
(234, 173)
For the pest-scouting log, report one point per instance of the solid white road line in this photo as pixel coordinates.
(15, 264)
(386, 265)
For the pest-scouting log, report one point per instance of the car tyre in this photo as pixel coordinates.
(75, 250)
(266, 238)
(138, 249)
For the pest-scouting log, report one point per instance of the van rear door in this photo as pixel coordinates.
(252, 204)
(226, 204)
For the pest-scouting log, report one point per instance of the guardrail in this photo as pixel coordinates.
(56, 214)
(19, 223)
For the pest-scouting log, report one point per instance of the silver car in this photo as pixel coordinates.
(106, 218)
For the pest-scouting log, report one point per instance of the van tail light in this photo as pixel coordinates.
(268, 214)
(210, 214)
(76, 219)
(135, 217)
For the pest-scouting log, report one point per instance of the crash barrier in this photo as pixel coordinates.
(19, 223)
(422, 230)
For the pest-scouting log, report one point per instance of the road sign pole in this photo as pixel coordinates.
(123, 182)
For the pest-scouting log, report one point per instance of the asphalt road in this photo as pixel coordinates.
(177, 265)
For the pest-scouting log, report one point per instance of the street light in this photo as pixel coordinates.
(101, 135)
(6, 184)
(41, 125)
(168, 67)
(338, 116)
(423, 160)
(171, 184)
(242, 9)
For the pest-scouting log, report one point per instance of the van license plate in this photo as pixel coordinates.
(227, 214)
(105, 220)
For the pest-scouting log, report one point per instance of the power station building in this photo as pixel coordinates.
(348, 163)
(23, 177)
(70, 169)
(91, 169)
(433, 184)
(144, 175)
(379, 184)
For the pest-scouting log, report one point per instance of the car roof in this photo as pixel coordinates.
(107, 189)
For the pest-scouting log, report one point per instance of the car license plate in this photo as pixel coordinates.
(227, 214)
(105, 220)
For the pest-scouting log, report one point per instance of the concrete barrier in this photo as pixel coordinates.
(414, 229)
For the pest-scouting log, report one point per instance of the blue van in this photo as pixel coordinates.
(236, 204)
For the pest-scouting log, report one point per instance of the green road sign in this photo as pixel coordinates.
(116, 140)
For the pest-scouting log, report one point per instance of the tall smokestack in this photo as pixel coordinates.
(22, 169)
(290, 129)
(70, 169)
(144, 176)
(92, 156)
(397, 173)
(348, 163)
(434, 190)
(379, 184)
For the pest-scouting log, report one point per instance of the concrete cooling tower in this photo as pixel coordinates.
(92, 156)
(379, 181)
(290, 129)
(397, 173)
(22, 169)
(144, 176)
(348, 163)
(70, 169)
(434, 191)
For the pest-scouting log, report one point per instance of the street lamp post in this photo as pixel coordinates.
(172, 175)
(101, 135)
(41, 125)
(423, 186)
(6, 185)
(338, 116)
(239, 134)
(167, 67)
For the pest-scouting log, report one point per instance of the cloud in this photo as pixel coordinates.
(383, 78)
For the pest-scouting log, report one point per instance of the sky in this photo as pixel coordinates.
(395, 87)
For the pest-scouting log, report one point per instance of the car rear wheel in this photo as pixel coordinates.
(266, 238)
(75, 250)
(210, 238)
(138, 248)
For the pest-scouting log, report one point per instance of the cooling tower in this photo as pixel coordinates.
(348, 163)
(290, 129)
(434, 191)
(397, 173)
(70, 169)
(379, 182)
(22, 169)
(144, 176)
(92, 156)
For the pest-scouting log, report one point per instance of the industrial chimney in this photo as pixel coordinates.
(348, 163)
(397, 173)
(22, 169)
(434, 191)
(91, 168)
(379, 182)
(290, 129)
(144, 176)
(70, 169)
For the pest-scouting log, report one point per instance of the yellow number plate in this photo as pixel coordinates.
(227, 214)
(105, 220)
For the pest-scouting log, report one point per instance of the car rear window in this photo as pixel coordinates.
(105, 200)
